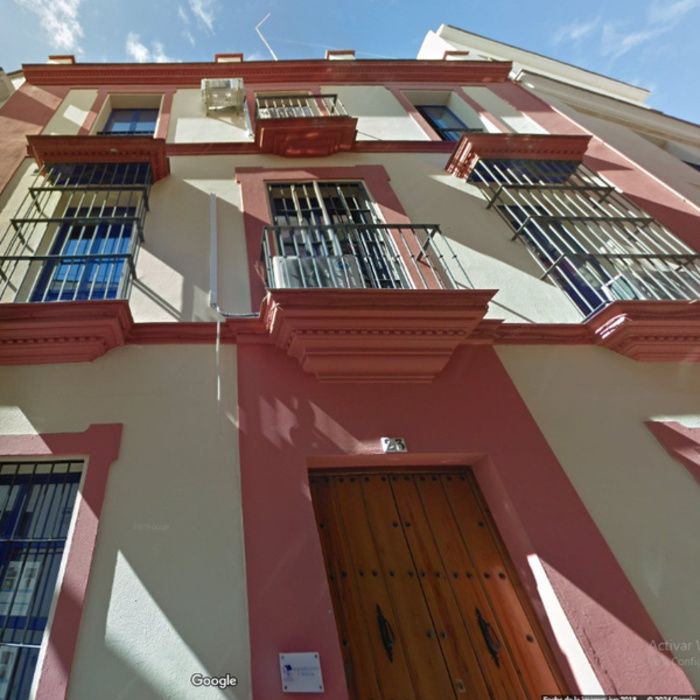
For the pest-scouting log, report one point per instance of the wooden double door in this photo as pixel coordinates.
(425, 599)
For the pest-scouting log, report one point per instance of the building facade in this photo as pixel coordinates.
(388, 364)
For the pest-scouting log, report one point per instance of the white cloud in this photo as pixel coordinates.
(185, 21)
(575, 31)
(673, 12)
(203, 10)
(59, 19)
(616, 43)
(139, 52)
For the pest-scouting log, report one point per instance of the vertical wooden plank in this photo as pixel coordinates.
(502, 674)
(360, 668)
(523, 637)
(414, 624)
(395, 677)
(454, 636)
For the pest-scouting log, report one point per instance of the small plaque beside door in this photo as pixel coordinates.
(301, 672)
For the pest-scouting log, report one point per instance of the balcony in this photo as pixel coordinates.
(303, 125)
(360, 256)
(76, 235)
(588, 238)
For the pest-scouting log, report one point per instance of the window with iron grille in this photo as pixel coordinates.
(589, 239)
(327, 234)
(77, 234)
(36, 507)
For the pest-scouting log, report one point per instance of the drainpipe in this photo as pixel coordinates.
(214, 266)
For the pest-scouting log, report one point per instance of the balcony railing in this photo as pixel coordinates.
(77, 234)
(298, 106)
(134, 132)
(352, 255)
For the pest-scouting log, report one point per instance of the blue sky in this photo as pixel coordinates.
(653, 43)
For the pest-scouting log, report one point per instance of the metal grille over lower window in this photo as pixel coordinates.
(36, 506)
(589, 239)
(77, 233)
(327, 234)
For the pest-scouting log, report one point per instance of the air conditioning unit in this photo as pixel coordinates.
(223, 93)
(339, 271)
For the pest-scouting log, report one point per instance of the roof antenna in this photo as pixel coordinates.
(262, 38)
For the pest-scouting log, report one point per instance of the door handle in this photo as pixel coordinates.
(492, 643)
(386, 633)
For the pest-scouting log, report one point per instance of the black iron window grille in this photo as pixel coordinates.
(77, 234)
(298, 105)
(589, 239)
(36, 507)
(327, 234)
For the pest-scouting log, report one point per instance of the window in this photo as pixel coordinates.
(36, 506)
(589, 239)
(327, 234)
(447, 124)
(77, 234)
(131, 122)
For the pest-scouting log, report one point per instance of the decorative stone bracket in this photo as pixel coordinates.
(388, 335)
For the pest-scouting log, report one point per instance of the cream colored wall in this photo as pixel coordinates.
(71, 114)
(380, 115)
(166, 596)
(189, 123)
(516, 120)
(591, 405)
(173, 266)
(666, 167)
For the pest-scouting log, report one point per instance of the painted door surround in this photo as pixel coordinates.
(470, 415)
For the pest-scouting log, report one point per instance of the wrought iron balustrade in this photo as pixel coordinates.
(298, 106)
(588, 238)
(77, 234)
(358, 255)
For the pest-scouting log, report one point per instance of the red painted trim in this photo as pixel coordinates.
(410, 108)
(250, 148)
(358, 72)
(166, 107)
(650, 331)
(83, 331)
(641, 186)
(27, 111)
(61, 332)
(292, 421)
(482, 111)
(95, 109)
(309, 137)
(386, 335)
(683, 444)
(256, 207)
(99, 444)
(474, 147)
(110, 149)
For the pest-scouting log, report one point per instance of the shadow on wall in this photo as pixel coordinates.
(173, 268)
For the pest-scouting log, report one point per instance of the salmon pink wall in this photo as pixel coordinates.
(470, 415)
(639, 185)
(27, 111)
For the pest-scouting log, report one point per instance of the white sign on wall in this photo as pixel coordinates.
(301, 672)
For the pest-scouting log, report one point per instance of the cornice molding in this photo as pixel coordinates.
(474, 147)
(351, 334)
(370, 335)
(261, 72)
(104, 149)
(650, 331)
(62, 331)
